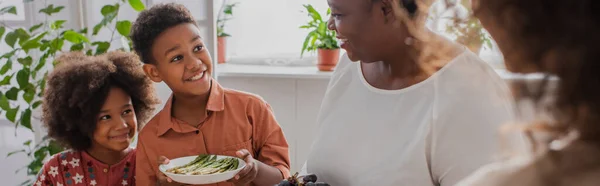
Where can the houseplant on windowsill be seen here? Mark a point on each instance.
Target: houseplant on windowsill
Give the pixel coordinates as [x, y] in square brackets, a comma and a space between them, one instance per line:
[321, 39]
[225, 14]
[469, 31]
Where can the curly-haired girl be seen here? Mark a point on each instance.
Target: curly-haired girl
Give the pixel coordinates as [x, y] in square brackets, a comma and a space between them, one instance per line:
[92, 105]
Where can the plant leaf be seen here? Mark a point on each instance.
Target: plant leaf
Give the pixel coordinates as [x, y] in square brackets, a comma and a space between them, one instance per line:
[97, 29]
[25, 61]
[2, 30]
[6, 80]
[36, 104]
[313, 13]
[14, 152]
[124, 27]
[35, 27]
[9, 9]
[12, 93]
[7, 66]
[102, 47]
[11, 38]
[77, 47]
[57, 24]
[306, 40]
[29, 94]
[137, 5]
[26, 119]
[54, 147]
[11, 114]
[4, 102]
[75, 37]
[23, 35]
[109, 9]
[23, 78]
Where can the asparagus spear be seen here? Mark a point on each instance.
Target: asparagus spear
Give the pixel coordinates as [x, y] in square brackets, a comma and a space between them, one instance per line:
[199, 164]
[197, 159]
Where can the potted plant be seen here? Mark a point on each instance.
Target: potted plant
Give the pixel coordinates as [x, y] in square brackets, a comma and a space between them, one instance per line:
[321, 39]
[469, 31]
[225, 15]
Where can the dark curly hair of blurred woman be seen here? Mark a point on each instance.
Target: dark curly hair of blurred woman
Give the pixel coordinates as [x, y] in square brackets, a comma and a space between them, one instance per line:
[77, 88]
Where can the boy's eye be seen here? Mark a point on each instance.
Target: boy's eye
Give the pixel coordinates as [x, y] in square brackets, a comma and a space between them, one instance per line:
[127, 112]
[198, 48]
[105, 117]
[177, 58]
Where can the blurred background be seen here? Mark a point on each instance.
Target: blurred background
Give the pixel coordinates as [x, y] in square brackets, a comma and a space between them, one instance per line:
[257, 46]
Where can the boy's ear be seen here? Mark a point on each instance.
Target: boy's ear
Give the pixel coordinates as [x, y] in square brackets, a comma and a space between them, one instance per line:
[387, 10]
[152, 72]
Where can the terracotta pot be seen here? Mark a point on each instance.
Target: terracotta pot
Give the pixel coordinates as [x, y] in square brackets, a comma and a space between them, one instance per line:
[328, 59]
[221, 52]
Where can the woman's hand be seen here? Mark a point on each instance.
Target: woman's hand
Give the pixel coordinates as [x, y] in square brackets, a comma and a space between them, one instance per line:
[248, 174]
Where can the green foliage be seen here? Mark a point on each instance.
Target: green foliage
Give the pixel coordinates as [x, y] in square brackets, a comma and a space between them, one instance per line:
[24, 68]
[319, 36]
[225, 15]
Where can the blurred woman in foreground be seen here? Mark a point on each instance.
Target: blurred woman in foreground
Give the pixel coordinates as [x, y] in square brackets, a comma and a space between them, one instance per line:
[556, 37]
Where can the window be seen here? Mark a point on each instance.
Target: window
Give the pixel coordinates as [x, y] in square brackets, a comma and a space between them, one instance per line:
[267, 29]
[19, 7]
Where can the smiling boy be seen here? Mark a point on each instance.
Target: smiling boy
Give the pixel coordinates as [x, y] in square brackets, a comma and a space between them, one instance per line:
[201, 117]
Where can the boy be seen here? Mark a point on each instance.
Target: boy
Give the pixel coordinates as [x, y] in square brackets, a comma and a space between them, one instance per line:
[201, 116]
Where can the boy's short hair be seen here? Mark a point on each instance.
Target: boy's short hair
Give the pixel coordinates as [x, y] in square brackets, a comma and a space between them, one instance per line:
[78, 87]
[152, 22]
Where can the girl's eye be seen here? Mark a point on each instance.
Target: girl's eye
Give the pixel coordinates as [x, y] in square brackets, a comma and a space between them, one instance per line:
[336, 15]
[177, 58]
[127, 112]
[105, 117]
[198, 48]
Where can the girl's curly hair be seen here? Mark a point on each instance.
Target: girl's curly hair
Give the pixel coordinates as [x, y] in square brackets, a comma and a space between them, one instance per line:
[77, 88]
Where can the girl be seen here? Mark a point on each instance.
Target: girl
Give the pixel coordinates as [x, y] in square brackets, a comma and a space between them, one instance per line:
[92, 106]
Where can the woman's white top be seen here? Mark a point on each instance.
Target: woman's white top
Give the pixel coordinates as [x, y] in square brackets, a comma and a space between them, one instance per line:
[435, 132]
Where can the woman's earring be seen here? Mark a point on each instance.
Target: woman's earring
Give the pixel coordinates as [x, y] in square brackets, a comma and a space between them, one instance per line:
[408, 41]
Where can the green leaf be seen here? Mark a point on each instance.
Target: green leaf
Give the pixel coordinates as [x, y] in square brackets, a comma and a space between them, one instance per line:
[40, 153]
[102, 47]
[35, 166]
[6, 80]
[137, 5]
[41, 62]
[11, 38]
[124, 27]
[12, 93]
[84, 30]
[75, 37]
[25, 61]
[313, 13]
[26, 119]
[58, 24]
[9, 55]
[11, 114]
[35, 27]
[50, 9]
[9, 9]
[97, 29]
[77, 47]
[27, 143]
[7, 66]
[23, 36]
[109, 9]
[4, 104]
[29, 94]
[89, 52]
[2, 30]
[306, 40]
[23, 78]
[36, 104]
[54, 147]
[15, 152]
[56, 45]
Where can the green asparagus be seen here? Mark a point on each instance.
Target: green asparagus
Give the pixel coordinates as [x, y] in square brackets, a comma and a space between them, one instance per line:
[206, 164]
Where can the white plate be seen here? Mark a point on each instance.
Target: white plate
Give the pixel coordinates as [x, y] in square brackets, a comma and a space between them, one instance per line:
[199, 179]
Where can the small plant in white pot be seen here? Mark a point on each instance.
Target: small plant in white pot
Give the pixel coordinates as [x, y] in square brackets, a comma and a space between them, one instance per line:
[225, 15]
[321, 39]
